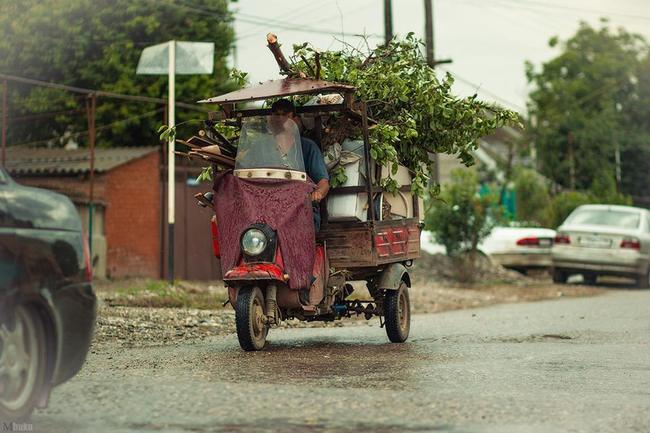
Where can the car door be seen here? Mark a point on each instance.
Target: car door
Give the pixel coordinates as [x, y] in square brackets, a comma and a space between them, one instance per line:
[7, 238]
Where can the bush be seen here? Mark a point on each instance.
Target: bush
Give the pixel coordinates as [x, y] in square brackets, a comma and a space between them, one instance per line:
[562, 205]
[602, 191]
[460, 219]
[532, 197]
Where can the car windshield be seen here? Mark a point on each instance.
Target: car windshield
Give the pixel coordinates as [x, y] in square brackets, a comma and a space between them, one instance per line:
[269, 142]
[605, 217]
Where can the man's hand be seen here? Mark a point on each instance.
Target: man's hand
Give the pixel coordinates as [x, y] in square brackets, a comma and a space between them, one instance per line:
[322, 188]
[317, 196]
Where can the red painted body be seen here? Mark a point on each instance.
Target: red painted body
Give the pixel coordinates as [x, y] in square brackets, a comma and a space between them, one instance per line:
[392, 242]
[215, 237]
[258, 271]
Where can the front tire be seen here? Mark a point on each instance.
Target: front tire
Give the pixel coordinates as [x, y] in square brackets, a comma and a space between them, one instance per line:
[397, 313]
[250, 319]
[23, 364]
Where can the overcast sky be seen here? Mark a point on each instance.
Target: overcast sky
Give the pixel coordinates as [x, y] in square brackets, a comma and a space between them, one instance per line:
[488, 40]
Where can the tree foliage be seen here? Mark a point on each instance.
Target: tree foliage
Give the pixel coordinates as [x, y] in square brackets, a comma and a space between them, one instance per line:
[532, 197]
[96, 44]
[590, 98]
[461, 218]
[417, 113]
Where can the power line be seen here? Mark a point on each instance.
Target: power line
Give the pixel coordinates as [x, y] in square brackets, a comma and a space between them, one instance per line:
[99, 128]
[535, 6]
[102, 93]
[480, 88]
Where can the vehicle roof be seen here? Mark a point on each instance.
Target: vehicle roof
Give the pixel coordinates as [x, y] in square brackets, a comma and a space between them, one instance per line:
[611, 207]
[278, 88]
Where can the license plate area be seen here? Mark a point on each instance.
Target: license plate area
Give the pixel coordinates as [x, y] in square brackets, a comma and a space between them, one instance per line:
[545, 242]
[595, 241]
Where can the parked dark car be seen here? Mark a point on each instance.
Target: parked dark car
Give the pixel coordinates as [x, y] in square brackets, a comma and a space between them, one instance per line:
[47, 304]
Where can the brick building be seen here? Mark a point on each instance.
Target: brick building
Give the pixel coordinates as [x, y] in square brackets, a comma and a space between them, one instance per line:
[129, 218]
[127, 201]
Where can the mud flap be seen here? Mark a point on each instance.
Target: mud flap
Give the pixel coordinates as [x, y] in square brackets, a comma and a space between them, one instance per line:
[391, 277]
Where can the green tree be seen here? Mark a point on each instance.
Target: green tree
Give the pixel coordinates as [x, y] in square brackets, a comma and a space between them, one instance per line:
[587, 101]
[461, 218]
[417, 113]
[96, 44]
[532, 196]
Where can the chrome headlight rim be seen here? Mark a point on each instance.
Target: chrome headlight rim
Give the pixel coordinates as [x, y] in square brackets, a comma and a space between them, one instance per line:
[254, 241]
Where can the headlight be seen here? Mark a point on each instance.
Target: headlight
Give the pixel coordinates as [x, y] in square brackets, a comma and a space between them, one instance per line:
[254, 242]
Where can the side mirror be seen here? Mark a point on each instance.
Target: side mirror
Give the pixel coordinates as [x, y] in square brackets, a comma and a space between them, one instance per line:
[204, 199]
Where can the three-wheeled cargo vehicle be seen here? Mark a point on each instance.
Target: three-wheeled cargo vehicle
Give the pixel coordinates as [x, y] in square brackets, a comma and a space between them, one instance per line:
[275, 264]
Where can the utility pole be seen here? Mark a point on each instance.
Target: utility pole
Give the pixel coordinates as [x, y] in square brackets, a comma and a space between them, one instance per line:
[431, 61]
[388, 21]
[4, 122]
[428, 32]
[572, 162]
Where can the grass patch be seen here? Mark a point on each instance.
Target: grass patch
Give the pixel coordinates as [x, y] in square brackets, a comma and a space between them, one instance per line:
[160, 294]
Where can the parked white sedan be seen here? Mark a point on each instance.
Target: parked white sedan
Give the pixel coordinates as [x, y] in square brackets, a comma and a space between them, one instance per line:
[603, 240]
[520, 248]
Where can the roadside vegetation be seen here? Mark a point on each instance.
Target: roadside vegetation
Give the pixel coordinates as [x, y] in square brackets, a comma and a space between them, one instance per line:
[159, 294]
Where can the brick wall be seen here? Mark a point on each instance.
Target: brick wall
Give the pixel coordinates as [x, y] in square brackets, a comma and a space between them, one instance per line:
[75, 187]
[132, 219]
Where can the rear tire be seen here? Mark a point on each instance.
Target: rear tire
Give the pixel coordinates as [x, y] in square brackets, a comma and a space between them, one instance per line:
[250, 319]
[397, 313]
[643, 282]
[559, 277]
[590, 279]
[23, 364]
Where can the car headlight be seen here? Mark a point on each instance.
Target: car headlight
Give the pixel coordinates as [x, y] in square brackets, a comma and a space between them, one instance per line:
[254, 242]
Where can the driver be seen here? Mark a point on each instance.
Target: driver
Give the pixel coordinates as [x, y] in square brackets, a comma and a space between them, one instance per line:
[313, 158]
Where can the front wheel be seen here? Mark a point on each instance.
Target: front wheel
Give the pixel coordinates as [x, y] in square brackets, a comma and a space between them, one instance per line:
[23, 363]
[250, 319]
[397, 313]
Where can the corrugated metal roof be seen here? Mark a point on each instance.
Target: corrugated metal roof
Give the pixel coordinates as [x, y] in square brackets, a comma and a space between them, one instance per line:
[275, 88]
[24, 160]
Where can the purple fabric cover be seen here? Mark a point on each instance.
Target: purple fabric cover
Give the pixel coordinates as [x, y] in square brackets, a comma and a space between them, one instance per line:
[284, 205]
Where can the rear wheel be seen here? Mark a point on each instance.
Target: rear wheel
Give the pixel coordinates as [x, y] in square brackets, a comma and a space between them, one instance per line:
[250, 319]
[643, 282]
[397, 313]
[23, 364]
[559, 277]
[590, 279]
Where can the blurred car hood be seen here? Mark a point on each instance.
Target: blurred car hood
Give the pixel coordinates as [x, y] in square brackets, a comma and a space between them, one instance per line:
[39, 209]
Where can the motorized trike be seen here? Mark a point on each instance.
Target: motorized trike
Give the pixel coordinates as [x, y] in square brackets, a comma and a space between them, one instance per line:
[275, 264]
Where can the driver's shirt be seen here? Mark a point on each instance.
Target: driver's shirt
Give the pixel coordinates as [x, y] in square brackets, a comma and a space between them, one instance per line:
[314, 162]
[315, 168]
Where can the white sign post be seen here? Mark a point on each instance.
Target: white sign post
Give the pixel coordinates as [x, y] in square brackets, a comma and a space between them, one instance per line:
[173, 58]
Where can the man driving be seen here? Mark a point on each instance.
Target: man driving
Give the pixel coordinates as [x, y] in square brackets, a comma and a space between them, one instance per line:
[313, 158]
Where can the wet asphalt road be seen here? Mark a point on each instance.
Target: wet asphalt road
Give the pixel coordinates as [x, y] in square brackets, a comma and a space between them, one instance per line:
[569, 365]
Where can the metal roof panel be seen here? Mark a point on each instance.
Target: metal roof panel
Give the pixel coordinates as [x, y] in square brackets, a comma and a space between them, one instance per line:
[277, 88]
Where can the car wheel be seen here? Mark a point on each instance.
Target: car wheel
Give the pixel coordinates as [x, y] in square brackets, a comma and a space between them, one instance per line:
[250, 319]
[590, 279]
[397, 313]
[23, 364]
[559, 277]
[643, 282]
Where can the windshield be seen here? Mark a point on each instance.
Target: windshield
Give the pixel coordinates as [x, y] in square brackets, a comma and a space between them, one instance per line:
[606, 217]
[269, 142]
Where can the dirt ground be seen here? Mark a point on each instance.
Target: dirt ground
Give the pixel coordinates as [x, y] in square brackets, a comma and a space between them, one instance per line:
[137, 313]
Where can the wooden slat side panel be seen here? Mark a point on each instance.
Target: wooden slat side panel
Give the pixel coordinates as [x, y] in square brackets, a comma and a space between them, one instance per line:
[348, 247]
